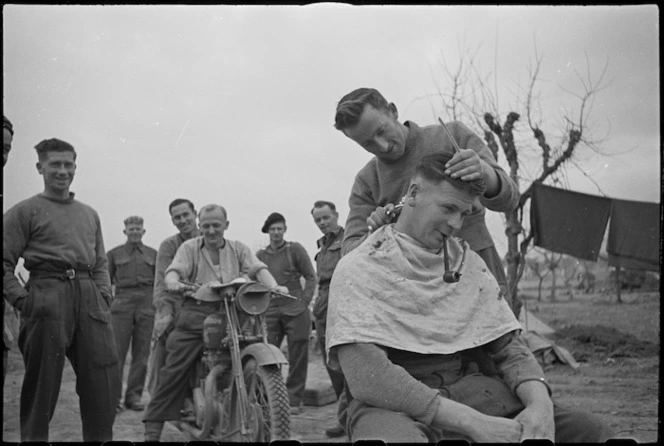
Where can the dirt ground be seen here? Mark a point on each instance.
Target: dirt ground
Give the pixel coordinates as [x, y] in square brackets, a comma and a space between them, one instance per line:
[618, 379]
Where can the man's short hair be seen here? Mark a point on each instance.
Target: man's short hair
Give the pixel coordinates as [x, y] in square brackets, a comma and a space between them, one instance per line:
[323, 203]
[133, 220]
[432, 167]
[6, 124]
[351, 106]
[179, 201]
[212, 207]
[53, 145]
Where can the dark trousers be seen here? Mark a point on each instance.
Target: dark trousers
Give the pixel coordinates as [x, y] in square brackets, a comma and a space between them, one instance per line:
[336, 377]
[67, 318]
[5, 361]
[487, 395]
[183, 348]
[133, 320]
[296, 329]
[157, 361]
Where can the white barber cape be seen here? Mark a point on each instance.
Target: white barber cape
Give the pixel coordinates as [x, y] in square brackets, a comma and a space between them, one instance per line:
[390, 291]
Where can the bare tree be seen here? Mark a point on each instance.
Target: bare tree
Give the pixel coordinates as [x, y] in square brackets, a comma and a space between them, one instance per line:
[541, 271]
[469, 98]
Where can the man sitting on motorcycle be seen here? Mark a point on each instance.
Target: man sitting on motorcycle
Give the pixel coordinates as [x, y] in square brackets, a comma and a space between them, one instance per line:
[201, 260]
[402, 324]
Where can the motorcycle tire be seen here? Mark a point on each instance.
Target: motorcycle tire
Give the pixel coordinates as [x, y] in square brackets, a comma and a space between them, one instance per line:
[268, 401]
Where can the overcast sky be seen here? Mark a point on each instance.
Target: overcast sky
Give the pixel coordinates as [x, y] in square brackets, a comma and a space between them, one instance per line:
[235, 104]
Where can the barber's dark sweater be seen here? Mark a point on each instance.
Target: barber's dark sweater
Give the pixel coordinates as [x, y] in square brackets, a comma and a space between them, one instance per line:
[380, 183]
[52, 234]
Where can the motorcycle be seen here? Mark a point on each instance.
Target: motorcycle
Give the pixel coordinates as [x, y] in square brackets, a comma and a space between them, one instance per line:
[239, 393]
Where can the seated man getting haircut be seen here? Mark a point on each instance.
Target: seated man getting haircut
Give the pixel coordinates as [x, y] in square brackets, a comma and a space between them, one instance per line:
[402, 324]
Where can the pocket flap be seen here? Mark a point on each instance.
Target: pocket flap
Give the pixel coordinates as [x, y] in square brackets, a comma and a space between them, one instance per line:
[101, 316]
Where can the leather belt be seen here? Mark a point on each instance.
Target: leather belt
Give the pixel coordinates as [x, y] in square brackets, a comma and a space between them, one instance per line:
[67, 274]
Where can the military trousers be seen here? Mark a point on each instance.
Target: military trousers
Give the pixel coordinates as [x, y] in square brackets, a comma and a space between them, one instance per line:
[336, 377]
[133, 319]
[67, 318]
[296, 329]
[184, 347]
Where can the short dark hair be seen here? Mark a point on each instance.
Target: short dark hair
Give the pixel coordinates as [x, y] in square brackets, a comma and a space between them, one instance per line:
[133, 220]
[323, 203]
[179, 201]
[351, 106]
[432, 167]
[6, 124]
[53, 145]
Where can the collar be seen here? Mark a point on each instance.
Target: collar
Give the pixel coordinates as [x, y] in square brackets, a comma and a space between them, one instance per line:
[329, 236]
[413, 133]
[130, 247]
[181, 239]
[67, 200]
[279, 248]
[201, 243]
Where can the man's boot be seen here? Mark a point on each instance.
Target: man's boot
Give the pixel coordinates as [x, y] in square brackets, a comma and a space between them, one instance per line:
[153, 430]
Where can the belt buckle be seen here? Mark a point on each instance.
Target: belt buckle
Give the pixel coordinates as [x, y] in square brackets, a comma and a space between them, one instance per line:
[71, 273]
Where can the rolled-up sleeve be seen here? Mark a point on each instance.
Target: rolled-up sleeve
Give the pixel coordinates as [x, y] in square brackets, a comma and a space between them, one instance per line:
[249, 263]
[517, 364]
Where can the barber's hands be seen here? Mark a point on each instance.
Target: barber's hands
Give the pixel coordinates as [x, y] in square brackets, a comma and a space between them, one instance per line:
[161, 324]
[466, 165]
[537, 421]
[381, 216]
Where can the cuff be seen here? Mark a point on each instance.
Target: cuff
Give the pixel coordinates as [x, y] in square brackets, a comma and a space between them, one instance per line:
[542, 380]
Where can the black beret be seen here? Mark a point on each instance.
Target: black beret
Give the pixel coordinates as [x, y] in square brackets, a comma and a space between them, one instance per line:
[273, 218]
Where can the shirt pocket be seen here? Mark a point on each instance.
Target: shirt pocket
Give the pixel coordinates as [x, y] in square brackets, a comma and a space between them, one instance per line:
[123, 268]
[146, 267]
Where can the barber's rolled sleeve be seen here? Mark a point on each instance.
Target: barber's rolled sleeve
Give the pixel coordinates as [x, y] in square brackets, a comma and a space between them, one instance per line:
[517, 364]
[508, 195]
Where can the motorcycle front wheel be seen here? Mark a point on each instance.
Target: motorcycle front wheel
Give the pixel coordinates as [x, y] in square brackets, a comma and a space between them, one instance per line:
[267, 397]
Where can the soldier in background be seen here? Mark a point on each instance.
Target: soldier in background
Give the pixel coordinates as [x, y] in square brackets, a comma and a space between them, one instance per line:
[326, 218]
[131, 267]
[183, 217]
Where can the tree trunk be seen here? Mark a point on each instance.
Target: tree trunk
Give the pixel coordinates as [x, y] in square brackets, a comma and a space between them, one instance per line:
[618, 284]
[539, 290]
[553, 286]
[512, 230]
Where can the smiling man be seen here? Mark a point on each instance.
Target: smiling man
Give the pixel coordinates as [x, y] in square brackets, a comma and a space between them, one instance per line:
[400, 332]
[65, 307]
[289, 262]
[207, 258]
[183, 217]
[367, 118]
[326, 217]
[131, 267]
